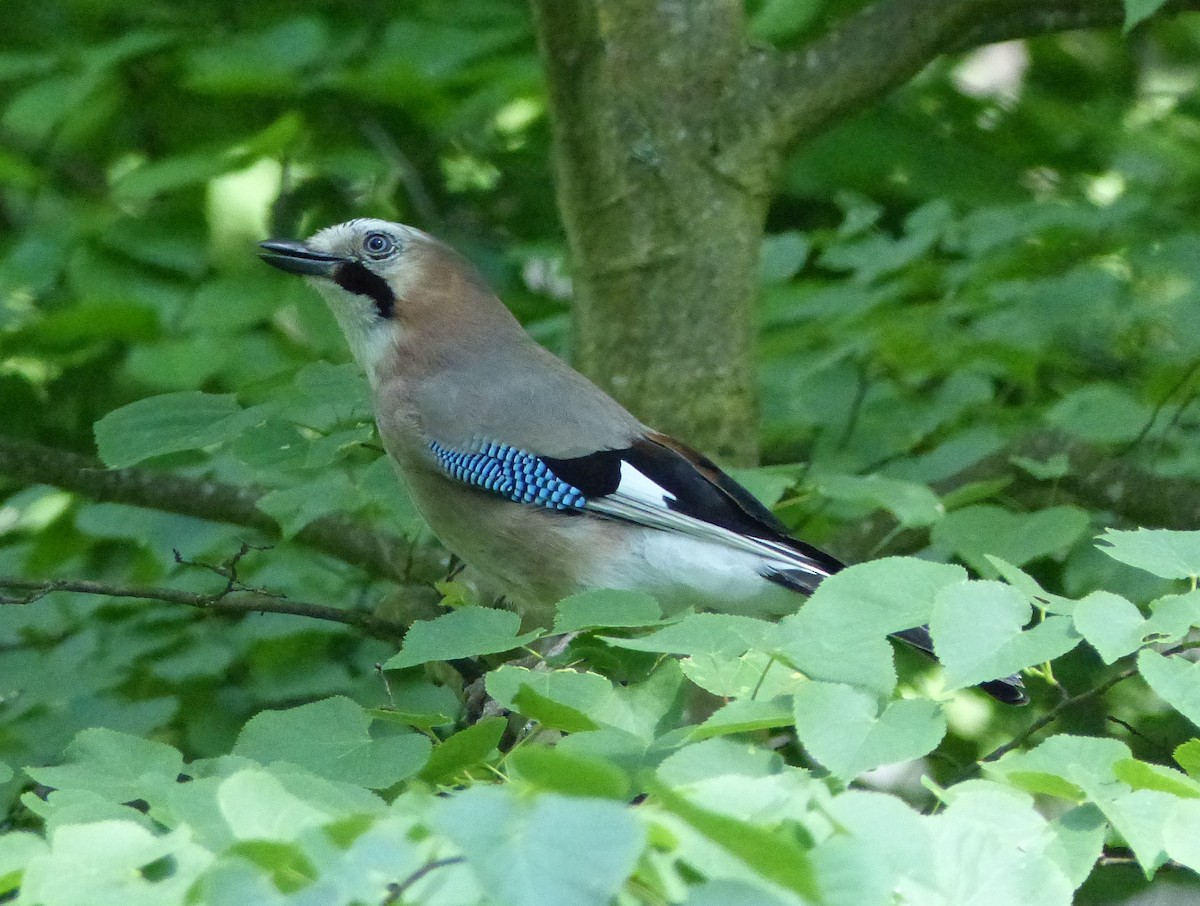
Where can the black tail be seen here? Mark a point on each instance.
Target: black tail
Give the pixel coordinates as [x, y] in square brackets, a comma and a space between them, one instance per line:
[1010, 690]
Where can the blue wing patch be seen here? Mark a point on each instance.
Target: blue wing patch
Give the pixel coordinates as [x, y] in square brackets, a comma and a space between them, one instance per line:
[512, 473]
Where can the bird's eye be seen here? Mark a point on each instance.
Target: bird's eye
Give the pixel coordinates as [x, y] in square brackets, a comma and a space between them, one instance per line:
[377, 245]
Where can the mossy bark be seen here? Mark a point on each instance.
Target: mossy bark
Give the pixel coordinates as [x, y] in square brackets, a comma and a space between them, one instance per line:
[663, 207]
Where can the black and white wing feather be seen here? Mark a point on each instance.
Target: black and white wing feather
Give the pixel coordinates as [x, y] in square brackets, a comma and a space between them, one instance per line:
[660, 483]
[655, 482]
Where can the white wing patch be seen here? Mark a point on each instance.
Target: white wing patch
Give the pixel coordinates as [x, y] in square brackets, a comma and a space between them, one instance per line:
[636, 486]
[643, 501]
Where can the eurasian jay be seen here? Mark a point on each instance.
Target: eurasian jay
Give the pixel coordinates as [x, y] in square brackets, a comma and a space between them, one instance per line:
[525, 469]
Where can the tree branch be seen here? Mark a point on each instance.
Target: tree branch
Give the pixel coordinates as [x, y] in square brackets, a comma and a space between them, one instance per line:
[1042, 17]
[1096, 478]
[856, 61]
[1050, 717]
[379, 554]
[397, 889]
[883, 45]
[222, 602]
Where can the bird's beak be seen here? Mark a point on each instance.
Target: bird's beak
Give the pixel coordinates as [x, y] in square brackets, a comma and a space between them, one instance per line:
[298, 258]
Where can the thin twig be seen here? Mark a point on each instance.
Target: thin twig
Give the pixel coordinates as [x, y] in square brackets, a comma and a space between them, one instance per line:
[229, 569]
[1067, 701]
[221, 602]
[1052, 715]
[399, 888]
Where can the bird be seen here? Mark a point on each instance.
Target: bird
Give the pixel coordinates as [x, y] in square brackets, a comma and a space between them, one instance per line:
[525, 469]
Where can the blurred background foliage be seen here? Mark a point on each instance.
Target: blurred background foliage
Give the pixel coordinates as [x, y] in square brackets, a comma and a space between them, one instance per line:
[1007, 246]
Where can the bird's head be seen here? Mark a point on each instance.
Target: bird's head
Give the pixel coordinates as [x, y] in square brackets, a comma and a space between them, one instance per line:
[381, 280]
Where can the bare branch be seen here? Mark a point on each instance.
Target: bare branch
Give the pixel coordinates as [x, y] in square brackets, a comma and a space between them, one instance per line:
[886, 43]
[856, 61]
[221, 602]
[379, 554]
[1032, 18]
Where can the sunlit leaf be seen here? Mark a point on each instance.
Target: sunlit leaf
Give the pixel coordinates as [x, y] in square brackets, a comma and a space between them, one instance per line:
[465, 632]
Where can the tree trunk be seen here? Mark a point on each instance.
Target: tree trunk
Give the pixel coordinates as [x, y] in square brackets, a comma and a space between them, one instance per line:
[663, 200]
[669, 131]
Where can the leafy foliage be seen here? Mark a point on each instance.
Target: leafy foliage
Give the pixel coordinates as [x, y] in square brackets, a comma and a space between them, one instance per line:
[945, 277]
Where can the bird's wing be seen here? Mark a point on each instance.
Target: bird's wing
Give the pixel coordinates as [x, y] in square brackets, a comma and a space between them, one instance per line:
[655, 482]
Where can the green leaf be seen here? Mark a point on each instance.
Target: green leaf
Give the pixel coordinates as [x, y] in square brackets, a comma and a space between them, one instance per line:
[170, 423]
[1054, 767]
[606, 608]
[1181, 833]
[725, 891]
[567, 700]
[551, 713]
[257, 806]
[1053, 468]
[330, 395]
[754, 674]
[1137, 11]
[465, 749]
[108, 863]
[719, 757]
[466, 632]
[555, 849]
[286, 864]
[294, 508]
[775, 856]
[259, 63]
[1028, 586]
[840, 634]
[974, 532]
[1175, 679]
[767, 483]
[911, 503]
[1115, 627]
[1187, 756]
[898, 836]
[171, 173]
[180, 364]
[233, 303]
[412, 53]
[116, 766]
[977, 633]
[1111, 624]
[1137, 816]
[1143, 776]
[842, 728]
[1080, 832]
[330, 738]
[1101, 413]
[639, 708]
[572, 775]
[37, 110]
[1162, 552]
[17, 850]
[745, 716]
[701, 633]
[994, 848]
[781, 256]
